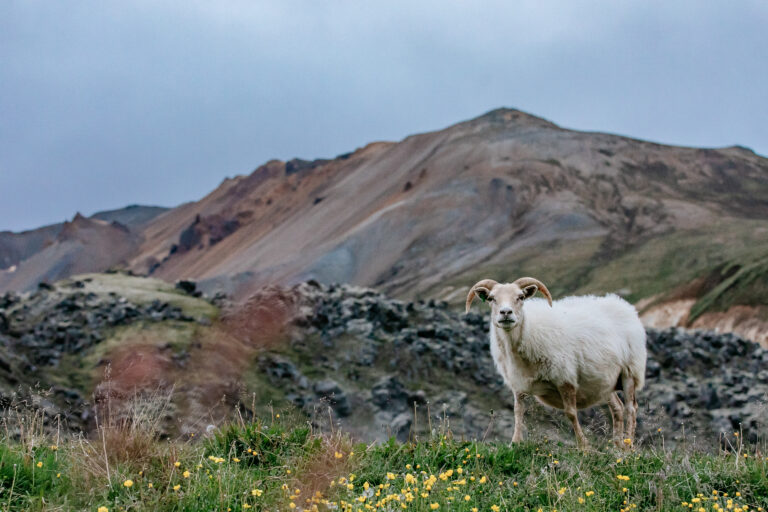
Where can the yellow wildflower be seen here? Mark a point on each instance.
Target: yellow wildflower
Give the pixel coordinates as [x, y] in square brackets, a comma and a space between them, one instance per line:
[338, 455]
[40, 464]
[176, 487]
[495, 508]
[562, 490]
[256, 492]
[434, 506]
[103, 509]
[128, 483]
[186, 474]
[177, 463]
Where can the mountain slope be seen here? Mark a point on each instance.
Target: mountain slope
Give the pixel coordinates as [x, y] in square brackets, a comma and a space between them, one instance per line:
[502, 195]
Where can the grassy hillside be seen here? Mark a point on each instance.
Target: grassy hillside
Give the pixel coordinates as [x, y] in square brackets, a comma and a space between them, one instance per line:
[275, 465]
[726, 260]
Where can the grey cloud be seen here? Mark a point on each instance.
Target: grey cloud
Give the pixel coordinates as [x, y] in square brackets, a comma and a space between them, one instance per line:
[106, 103]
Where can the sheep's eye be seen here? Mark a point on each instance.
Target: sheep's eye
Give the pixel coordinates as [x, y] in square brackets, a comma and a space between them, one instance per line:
[520, 297]
[491, 299]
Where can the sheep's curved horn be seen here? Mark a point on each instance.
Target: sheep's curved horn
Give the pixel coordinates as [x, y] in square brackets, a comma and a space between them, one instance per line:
[485, 283]
[527, 281]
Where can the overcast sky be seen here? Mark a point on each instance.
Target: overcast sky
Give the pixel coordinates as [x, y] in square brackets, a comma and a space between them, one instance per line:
[104, 104]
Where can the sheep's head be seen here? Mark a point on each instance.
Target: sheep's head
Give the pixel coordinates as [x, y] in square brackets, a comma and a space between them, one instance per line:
[506, 300]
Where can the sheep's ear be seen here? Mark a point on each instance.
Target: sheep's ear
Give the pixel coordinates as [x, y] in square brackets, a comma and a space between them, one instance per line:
[530, 290]
[481, 289]
[482, 293]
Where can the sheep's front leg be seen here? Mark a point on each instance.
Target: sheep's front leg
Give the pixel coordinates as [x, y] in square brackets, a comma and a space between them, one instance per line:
[617, 417]
[568, 394]
[519, 411]
[630, 405]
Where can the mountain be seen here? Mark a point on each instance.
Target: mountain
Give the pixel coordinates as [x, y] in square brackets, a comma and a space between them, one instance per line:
[84, 244]
[80, 245]
[682, 232]
[133, 216]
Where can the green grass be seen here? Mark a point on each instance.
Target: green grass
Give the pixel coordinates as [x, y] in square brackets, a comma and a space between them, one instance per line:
[748, 286]
[658, 267]
[270, 465]
[82, 370]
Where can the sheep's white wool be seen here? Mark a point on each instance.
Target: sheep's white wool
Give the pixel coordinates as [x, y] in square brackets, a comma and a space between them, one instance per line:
[570, 354]
[586, 341]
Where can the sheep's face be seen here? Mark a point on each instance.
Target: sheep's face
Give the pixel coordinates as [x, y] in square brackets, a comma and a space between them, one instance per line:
[506, 301]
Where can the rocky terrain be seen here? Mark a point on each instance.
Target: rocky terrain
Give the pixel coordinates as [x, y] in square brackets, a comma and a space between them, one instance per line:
[681, 232]
[381, 366]
[371, 358]
[46, 336]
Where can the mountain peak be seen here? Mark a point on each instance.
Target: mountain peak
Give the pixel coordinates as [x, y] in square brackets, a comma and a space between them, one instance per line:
[507, 115]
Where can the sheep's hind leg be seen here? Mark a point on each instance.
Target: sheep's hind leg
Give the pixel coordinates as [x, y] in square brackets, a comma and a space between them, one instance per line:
[617, 418]
[568, 394]
[519, 411]
[630, 405]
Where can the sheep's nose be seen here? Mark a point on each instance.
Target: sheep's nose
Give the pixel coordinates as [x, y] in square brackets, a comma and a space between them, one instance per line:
[506, 311]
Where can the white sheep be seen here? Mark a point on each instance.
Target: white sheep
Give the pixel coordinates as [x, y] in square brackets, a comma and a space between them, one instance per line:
[571, 354]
